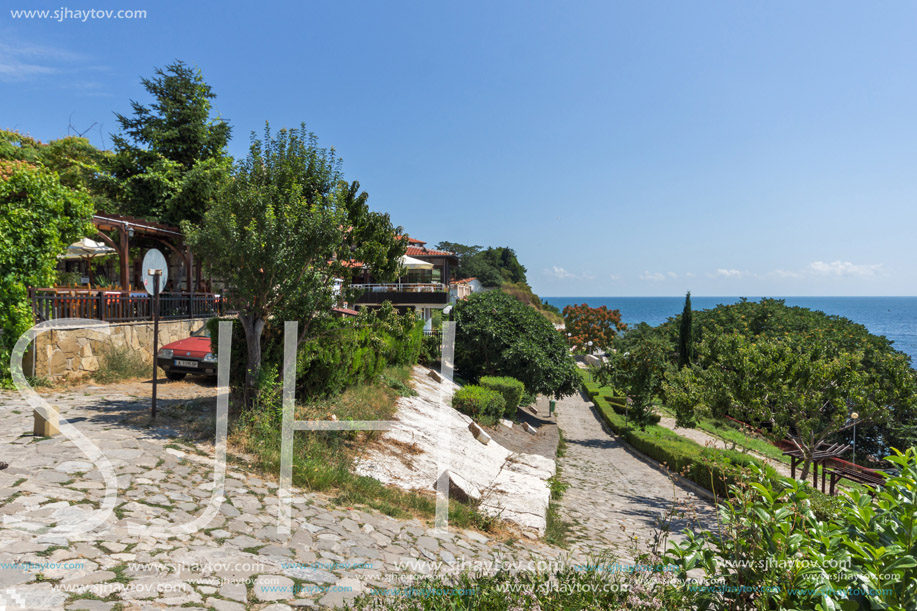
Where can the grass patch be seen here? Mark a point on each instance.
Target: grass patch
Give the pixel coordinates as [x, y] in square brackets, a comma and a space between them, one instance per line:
[556, 528]
[120, 363]
[323, 461]
[512, 590]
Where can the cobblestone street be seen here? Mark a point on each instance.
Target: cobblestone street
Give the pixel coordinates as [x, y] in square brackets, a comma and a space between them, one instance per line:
[615, 495]
[238, 560]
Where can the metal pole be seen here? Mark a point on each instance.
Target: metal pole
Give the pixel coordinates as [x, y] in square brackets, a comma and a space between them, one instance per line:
[854, 442]
[156, 275]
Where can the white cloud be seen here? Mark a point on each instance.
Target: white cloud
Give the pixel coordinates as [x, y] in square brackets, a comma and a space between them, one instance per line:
[834, 268]
[614, 276]
[727, 273]
[843, 268]
[654, 276]
[559, 273]
[783, 273]
[22, 61]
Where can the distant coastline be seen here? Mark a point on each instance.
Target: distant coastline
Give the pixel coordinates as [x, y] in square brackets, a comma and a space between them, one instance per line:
[893, 317]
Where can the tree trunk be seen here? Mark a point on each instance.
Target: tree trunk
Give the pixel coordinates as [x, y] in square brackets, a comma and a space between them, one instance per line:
[806, 465]
[253, 326]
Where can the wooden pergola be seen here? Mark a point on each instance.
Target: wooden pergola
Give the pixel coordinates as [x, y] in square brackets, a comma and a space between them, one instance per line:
[127, 227]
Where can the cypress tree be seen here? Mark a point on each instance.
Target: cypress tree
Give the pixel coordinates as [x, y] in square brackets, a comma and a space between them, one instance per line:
[686, 335]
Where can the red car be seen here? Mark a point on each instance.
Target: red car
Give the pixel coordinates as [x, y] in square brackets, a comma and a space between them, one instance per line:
[189, 355]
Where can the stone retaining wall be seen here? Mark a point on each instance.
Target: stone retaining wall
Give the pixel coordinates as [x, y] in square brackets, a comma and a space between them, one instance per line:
[78, 352]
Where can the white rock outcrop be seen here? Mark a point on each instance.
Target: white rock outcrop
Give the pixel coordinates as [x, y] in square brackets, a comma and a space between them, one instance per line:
[431, 438]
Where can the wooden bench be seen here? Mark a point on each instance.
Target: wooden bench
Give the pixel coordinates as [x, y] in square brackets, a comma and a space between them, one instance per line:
[860, 476]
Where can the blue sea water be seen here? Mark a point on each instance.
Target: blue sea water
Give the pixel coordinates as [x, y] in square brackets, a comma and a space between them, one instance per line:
[893, 317]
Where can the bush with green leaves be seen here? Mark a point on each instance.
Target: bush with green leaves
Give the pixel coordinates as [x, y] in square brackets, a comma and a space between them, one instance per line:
[496, 335]
[511, 389]
[39, 217]
[482, 404]
[773, 552]
[339, 354]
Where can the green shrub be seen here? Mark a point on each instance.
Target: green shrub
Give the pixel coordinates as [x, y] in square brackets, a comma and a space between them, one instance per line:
[430, 350]
[498, 335]
[511, 389]
[340, 352]
[772, 551]
[482, 404]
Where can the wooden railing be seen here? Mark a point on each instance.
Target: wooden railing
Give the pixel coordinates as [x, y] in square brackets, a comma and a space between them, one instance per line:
[123, 306]
[402, 287]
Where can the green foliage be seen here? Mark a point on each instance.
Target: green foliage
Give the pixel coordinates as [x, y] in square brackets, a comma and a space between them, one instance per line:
[170, 159]
[492, 266]
[341, 354]
[431, 350]
[282, 234]
[794, 388]
[592, 585]
[78, 164]
[352, 352]
[497, 335]
[784, 556]
[789, 371]
[39, 217]
[483, 404]
[638, 365]
[510, 388]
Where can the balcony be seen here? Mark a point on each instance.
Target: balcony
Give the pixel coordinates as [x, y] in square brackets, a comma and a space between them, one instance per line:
[398, 293]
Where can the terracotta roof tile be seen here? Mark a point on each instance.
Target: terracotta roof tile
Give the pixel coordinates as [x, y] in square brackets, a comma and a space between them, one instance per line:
[414, 251]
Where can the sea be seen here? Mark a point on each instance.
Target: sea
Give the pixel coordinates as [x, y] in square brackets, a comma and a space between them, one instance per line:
[893, 317]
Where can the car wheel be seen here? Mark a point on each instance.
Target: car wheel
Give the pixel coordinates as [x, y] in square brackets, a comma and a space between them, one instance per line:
[175, 376]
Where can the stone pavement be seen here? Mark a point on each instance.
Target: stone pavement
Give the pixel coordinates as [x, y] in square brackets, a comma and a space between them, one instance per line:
[238, 560]
[617, 500]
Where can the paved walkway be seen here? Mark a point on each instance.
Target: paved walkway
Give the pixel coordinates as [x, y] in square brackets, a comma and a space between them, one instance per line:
[614, 495]
[237, 560]
[706, 439]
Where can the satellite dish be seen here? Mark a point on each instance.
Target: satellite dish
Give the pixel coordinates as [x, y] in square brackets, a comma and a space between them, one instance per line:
[154, 260]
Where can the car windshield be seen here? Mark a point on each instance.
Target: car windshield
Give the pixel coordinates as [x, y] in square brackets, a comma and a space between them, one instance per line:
[202, 332]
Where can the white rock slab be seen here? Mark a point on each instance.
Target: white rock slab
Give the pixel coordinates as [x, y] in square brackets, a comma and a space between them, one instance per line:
[513, 486]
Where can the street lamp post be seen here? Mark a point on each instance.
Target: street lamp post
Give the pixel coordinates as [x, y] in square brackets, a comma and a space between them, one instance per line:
[855, 416]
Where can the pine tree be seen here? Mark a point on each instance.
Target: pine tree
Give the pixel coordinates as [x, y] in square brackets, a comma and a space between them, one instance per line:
[170, 157]
[686, 335]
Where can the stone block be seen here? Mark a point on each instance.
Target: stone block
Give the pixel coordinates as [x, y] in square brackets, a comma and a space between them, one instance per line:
[479, 433]
[47, 424]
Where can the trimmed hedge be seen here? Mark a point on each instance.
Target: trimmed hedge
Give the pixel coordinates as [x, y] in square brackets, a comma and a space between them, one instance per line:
[511, 389]
[480, 403]
[619, 405]
[710, 468]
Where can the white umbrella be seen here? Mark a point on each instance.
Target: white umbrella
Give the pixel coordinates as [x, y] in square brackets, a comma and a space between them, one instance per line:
[86, 248]
[412, 263]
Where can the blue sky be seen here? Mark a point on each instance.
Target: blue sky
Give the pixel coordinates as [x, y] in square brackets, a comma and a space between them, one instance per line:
[639, 148]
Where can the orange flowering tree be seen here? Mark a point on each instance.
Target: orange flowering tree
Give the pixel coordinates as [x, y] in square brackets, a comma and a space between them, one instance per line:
[596, 325]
